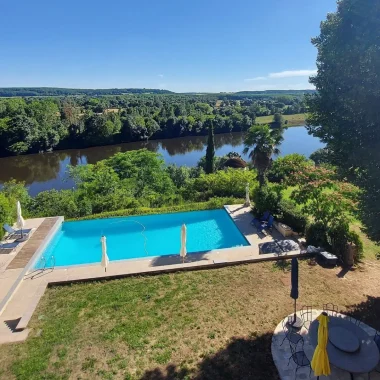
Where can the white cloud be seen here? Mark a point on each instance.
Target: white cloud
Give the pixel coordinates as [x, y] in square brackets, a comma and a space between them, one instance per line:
[255, 78]
[292, 73]
[161, 75]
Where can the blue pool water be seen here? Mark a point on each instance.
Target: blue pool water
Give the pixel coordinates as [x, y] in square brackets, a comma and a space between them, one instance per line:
[141, 236]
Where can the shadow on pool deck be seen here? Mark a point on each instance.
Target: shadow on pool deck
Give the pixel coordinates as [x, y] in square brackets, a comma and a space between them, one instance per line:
[176, 259]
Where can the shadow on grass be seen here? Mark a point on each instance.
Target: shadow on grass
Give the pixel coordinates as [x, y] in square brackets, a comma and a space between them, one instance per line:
[242, 358]
[367, 311]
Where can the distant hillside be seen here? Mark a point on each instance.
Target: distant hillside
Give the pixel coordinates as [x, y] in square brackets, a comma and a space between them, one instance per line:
[273, 92]
[55, 91]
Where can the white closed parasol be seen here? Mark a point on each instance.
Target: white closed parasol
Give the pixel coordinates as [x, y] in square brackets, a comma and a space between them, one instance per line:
[183, 242]
[105, 260]
[20, 219]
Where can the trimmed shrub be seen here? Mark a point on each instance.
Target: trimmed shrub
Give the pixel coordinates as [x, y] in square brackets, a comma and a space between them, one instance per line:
[213, 203]
[290, 215]
[340, 236]
[267, 198]
[316, 235]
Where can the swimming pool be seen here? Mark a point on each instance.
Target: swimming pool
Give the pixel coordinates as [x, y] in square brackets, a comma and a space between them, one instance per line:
[134, 237]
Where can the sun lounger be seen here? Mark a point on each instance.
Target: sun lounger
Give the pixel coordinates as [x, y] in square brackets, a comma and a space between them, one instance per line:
[12, 232]
[9, 246]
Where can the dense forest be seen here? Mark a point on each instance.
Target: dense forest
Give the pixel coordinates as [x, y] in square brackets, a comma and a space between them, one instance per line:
[32, 124]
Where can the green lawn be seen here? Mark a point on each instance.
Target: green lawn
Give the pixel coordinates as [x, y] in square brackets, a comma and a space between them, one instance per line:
[210, 324]
[293, 120]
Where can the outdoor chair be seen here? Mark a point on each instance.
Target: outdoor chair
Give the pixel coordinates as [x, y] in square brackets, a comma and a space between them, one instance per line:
[330, 309]
[15, 233]
[290, 333]
[265, 225]
[307, 316]
[264, 218]
[298, 355]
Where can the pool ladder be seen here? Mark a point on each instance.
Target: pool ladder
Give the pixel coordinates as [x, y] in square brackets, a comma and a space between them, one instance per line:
[45, 262]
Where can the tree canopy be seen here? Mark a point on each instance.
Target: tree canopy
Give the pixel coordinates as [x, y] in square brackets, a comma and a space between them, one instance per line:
[344, 111]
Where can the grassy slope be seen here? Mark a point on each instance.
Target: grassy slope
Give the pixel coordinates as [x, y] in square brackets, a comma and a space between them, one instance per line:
[293, 120]
[210, 324]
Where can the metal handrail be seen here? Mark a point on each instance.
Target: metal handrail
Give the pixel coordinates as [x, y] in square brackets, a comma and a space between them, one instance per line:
[52, 261]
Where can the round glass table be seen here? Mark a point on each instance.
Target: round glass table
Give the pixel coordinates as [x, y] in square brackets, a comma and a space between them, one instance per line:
[349, 348]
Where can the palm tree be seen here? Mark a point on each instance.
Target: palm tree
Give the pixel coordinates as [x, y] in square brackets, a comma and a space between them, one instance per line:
[264, 141]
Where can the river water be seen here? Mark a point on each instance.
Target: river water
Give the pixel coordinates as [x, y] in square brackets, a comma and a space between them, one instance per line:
[48, 170]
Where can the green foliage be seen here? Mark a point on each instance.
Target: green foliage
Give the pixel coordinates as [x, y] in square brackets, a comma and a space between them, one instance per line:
[210, 151]
[339, 236]
[213, 203]
[12, 192]
[263, 141]
[267, 198]
[41, 124]
[286, 166]
[316, 235]
[323, 197]
[344, 111]
[290, 215]
[143, 172]
[278, 121]
[63, 202]
[223, 183]
[321, 156]
[6, 213]
[180, 175]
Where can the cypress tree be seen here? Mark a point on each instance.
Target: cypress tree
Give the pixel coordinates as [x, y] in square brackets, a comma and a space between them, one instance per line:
[210, 151]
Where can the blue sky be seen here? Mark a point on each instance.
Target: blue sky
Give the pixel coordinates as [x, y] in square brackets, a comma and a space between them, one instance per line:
[192, 45]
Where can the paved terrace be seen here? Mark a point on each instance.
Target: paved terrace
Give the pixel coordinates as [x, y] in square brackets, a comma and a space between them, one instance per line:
[24, 300]
[287, 369]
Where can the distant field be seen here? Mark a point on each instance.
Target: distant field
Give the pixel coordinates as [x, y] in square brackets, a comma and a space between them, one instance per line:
[293, 120]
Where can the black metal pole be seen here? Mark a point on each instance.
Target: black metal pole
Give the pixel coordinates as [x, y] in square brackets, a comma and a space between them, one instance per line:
[295, 310]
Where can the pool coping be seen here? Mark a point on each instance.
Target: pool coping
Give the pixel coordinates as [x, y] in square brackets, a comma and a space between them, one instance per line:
[4, 302]
[225, 209]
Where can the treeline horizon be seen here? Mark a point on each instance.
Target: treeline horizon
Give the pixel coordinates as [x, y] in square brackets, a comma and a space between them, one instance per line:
[9, 92]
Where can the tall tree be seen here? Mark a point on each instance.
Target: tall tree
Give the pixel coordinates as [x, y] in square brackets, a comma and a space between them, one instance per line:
[278, 121]
[262, 141]
[210, 151]
[344, 112]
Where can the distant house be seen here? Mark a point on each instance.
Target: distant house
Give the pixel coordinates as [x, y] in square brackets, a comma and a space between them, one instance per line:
[111, 110]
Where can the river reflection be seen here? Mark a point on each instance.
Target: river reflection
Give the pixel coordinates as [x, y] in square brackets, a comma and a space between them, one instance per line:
[48, 171]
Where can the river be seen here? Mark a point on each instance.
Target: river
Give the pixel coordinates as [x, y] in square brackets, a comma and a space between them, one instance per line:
[48, 170]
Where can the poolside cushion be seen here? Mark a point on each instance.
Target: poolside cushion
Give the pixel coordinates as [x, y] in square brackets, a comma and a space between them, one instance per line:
[270, 247]
[278, 246]
[288, 245]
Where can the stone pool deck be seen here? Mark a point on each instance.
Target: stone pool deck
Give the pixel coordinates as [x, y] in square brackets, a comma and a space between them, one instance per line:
[17, 308]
